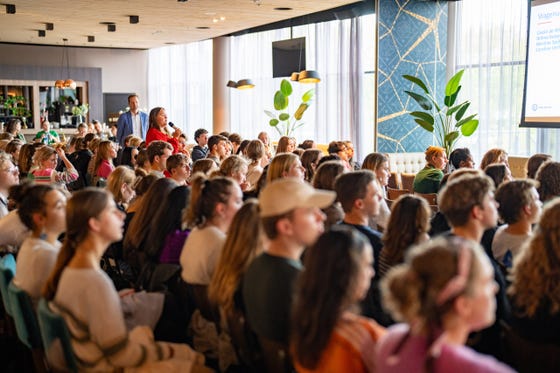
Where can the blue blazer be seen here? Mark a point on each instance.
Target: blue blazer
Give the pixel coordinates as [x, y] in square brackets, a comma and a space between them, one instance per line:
[125, 127]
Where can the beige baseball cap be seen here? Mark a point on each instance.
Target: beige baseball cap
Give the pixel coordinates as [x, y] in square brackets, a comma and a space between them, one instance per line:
[283, 195]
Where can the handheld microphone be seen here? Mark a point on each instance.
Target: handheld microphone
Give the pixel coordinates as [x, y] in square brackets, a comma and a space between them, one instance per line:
[171, 124]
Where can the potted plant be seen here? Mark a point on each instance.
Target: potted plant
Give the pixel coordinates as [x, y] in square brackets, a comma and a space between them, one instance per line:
[282, 121]
[446, 120]
[79, 112]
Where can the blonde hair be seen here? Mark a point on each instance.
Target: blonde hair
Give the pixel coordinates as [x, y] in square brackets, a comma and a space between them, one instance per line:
[242, 245]
[280, 164]
[42, 154]
[232, 164]
[410, 290]
[535, 277]
[120, 175]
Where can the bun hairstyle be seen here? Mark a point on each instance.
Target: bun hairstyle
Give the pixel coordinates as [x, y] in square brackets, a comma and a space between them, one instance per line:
[433, 276]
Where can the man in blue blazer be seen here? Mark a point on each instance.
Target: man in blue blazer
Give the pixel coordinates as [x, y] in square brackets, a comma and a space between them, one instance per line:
[132, 122]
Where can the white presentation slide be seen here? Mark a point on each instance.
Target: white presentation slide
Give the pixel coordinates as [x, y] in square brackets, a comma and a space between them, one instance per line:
[542, 96]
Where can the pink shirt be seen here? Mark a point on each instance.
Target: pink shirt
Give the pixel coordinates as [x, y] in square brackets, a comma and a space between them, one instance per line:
[104, 170]
[412, 356]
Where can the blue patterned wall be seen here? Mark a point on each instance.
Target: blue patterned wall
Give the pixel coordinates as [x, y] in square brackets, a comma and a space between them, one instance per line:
[412, 40]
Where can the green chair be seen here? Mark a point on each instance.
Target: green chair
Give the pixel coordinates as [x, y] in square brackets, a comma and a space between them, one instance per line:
[7, 272]
[55, 334]
[24, 316]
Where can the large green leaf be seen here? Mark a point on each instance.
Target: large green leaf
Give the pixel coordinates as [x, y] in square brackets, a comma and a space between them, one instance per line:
[308, 95]
[286, 87]
[425, 103]
[453, 83]
[450, 100]
[465, 120]
[280, 101]
[462, 111]
[453, 109]
[284, 116]
[424, 116]
[451, 137]
[274, 122]
[300, 110]
[469, 127]
[426, 125]
[417, 81]
[270, 114]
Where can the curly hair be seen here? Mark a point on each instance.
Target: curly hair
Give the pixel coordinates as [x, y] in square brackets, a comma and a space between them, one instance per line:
[548, 176]
[535, 276]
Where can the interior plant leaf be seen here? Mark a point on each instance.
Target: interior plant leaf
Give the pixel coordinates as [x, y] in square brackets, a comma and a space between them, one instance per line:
[469, 127]
[418, 82]
[280, 101]
[421, 100]
[270, 114]
[453, 109]
[427, 117]
[426, 125]
[451, 137]
[300, 110]
[464, 120]
[286, 87]
[308, 95]
[284, 116]
[274, 122]
[453, 84]
[462, 110]
[450, 100]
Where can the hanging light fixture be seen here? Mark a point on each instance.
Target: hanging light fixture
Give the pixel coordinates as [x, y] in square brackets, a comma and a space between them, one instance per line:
[304, 76]
[242, 84]
[68, 83]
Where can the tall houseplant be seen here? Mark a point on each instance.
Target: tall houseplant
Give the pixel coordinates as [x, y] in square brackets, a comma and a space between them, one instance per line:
[282, 121]
[447, 121]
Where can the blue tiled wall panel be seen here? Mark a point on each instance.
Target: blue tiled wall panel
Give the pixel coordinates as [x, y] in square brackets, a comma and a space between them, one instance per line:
[412, 40]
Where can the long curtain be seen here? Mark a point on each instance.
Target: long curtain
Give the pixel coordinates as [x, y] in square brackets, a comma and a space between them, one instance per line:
[491, 45]
[180, 80]
[339, 110]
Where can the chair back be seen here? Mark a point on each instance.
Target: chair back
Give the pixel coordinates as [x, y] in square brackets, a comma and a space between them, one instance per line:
[407, 181]
[528, 356]
[431, 198]
[276, 357]
[7, 272]
[56, 339]
[245, 341]
[393, 194]
[27, 327]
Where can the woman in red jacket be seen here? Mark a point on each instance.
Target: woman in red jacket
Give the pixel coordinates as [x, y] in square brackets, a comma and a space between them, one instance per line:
[158, 130]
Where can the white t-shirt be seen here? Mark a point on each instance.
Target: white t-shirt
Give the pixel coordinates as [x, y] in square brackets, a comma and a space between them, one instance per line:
[200, 254]
[35, 261]
[506, 246]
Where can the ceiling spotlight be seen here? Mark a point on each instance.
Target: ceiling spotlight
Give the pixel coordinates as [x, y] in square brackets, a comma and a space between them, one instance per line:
[42, 33]
[10, 8]
[49, 26]
[91, 38]
[111, 27]
[134, 19]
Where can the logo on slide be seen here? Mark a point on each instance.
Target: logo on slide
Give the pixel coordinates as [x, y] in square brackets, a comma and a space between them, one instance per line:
[534, 107]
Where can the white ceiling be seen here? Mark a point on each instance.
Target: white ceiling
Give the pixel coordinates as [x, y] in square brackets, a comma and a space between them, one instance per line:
[161, 22]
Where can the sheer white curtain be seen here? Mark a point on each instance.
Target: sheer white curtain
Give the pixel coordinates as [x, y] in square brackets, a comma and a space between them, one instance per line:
[180, 80]
[491, 45]
[338, 112]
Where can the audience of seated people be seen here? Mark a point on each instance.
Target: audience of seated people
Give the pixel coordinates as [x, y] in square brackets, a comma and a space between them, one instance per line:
[190, 237]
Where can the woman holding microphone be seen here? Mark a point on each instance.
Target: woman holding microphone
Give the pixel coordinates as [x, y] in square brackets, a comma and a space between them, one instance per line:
[158, 130]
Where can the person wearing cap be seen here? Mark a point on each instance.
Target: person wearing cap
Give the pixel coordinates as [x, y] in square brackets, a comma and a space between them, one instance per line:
[292, 220]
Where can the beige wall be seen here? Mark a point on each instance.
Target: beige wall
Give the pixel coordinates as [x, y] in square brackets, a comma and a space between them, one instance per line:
[123, 70]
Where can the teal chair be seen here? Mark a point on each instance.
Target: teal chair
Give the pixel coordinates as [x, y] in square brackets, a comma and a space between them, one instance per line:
[27, 326]
[55, 334]
[7, 272]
